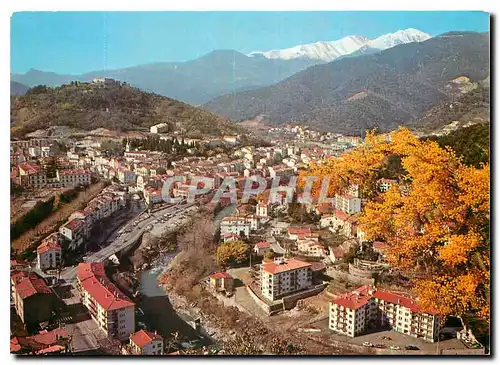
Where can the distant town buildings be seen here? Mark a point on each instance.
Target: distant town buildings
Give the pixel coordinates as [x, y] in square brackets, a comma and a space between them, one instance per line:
[159, 128]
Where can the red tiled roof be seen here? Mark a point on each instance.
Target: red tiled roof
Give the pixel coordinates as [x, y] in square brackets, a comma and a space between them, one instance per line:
[299, 231]
[221, 275]
[263, 244]
[29, 167]
[362, 295]
[338, 252]
[74, 224]
[288, 265]
[142, 338]
[54, 348]
[379, 246]
[30, 285]
[94, 280]
[341, 215]
[47, 246]
[14, 345]
[50, 337]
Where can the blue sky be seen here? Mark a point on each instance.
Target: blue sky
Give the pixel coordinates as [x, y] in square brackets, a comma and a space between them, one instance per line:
[77, 42]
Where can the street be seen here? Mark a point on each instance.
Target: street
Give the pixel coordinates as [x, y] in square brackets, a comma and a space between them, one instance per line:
[128, 238]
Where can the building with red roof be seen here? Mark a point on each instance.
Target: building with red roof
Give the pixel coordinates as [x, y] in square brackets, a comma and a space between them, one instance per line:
[146, 343]
[347, 203]
[282, 277]
[32, 298]
[261, 248]
[49, 252]
[221, 281]
[112, 310]
[45, 342]
[312, 248]
[368, 308]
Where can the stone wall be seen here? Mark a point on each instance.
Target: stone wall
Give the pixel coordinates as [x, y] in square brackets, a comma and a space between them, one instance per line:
[341, 275]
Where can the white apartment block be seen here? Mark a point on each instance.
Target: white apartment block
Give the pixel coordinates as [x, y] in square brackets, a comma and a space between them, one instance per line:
[385, 184]
[348, 203]
[48, 254]
[113, 311]
[235, 225]
[369, 308]
[73, 231]
[280, 278]
[159, 128]
[70, 178]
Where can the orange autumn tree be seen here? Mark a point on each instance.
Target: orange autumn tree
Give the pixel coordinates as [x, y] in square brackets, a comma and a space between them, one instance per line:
[435, 221]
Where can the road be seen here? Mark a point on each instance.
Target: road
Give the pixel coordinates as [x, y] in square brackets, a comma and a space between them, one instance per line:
[127, 239]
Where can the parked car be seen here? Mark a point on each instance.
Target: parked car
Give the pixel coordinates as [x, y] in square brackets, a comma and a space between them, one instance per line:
[367, 344]
[380, 346]
[411, 347]
[395, 348]
[386, 338]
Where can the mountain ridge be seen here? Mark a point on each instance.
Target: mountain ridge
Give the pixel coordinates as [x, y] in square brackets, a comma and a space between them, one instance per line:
[404, 81]
[328, 51]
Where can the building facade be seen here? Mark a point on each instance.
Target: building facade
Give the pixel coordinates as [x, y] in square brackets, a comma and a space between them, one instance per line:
[367, 308]
[280, 278]
[49, 253]
[112, 310]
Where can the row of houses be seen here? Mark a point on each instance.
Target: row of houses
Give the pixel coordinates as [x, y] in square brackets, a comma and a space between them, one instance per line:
[77, 229]
[33, 175]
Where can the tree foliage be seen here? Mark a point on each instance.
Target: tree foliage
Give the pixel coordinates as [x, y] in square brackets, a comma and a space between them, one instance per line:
[232, 253]
[435, 222]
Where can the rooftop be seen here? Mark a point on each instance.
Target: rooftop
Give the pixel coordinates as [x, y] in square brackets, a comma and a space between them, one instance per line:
[142, 338]
[276, 267]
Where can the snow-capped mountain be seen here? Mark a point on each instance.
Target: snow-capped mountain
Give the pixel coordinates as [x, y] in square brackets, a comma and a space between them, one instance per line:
[322, 51]
[331, 50]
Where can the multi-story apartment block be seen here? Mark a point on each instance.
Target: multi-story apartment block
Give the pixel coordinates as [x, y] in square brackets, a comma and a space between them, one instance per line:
[348, 203]
[146, 343]
[385, 184]
[32, 175]
[49, 253]
[369, 308]
[126, 176]
[112, 310]
[235, 225]
[69, 178]
[32, 298]
[159, 128]
[73, 232]
[279, 278]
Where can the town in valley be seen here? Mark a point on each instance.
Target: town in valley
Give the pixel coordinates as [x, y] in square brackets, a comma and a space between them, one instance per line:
[144, 225]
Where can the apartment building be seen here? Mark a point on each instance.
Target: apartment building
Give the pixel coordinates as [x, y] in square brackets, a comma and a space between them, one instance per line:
[73, 232]
[49, 253]
[112, 310]
[126, 176]
[262, 209]
[312, 248]
[146, 343]
[32, 298]
[235, 225]
[159, 128]
[369, 308]
[347, 203]
[71, 178]
[384, 185]
[32, 175]
[281, 277]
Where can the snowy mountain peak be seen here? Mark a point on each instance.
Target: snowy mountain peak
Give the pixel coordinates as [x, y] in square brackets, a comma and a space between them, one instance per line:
[390, 40]
[331, 50]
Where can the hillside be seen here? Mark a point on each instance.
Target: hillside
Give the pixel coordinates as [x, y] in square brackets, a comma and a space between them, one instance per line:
[116, 107]
[195, 82]
[471, 107]
[17, 89]
[472, 143]
[383, 90]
